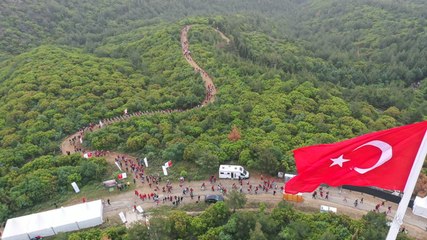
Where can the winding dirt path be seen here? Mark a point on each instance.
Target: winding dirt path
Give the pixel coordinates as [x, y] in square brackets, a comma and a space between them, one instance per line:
[126, 200]
[70, 143]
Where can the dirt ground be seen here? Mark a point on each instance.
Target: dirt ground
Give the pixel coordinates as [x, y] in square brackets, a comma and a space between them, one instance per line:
[125, 202]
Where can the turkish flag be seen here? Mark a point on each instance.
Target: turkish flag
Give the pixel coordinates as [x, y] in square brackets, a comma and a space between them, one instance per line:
[382, 159]
[122, 175]
[168, 164]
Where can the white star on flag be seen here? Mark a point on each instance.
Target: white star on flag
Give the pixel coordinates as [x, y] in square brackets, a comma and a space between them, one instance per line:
[338, 161]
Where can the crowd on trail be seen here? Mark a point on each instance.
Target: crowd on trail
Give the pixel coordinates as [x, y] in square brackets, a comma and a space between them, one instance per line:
[187, 54]
[77, 140]
[152, 189]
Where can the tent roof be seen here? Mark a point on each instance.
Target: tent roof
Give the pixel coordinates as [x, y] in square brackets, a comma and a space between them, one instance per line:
[52, 218]
[422, 202]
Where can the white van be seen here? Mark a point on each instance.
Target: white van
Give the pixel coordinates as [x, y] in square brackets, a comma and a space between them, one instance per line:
[233, 172]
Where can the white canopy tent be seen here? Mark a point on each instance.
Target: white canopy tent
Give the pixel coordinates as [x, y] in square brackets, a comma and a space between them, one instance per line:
[64, 219]
[420, 207]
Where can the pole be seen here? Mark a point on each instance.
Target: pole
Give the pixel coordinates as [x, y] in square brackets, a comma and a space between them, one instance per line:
[409, 189]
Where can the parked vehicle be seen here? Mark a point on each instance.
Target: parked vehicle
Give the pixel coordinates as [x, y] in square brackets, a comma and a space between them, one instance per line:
[233, 172]
[213, 198]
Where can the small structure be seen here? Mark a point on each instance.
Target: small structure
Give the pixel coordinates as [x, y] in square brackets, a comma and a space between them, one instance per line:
[324, 208]
[123, 217]
[420, 207]
[139, 209]
[109, 183]
[64, 219]
[293, 197]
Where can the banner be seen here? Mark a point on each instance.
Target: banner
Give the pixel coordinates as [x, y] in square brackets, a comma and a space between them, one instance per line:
[122, 217]
[117, 164]
[75, 187]
[146, 162]
[165, 171]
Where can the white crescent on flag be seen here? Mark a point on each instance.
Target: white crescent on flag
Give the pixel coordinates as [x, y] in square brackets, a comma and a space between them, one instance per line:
[386, 155]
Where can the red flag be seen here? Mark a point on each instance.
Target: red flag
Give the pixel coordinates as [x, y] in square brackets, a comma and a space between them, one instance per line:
[122, 175]
[168, 164]
[382, 159]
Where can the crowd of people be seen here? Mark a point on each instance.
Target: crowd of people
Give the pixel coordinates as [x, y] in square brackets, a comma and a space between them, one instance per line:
[76, 141]
[151, 189]
[357, 202]
[210, 88]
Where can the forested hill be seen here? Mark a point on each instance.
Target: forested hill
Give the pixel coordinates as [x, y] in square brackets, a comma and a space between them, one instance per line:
[26, 24]
[295, 73]
[387, 39]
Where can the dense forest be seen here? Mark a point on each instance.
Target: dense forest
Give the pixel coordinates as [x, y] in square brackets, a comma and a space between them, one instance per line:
[295, 73]
[218, 222]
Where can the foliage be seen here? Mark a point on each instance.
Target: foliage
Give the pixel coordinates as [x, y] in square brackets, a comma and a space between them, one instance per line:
[246, 224]
[234, 135]
[236, 200]
[295, 73]
[27, 187]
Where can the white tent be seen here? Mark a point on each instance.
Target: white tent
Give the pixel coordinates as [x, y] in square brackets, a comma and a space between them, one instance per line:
[51, 222]
[420, 207]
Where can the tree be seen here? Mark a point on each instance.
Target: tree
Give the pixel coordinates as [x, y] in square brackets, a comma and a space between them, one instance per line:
[234, 135]
[256, 233]
[298, 230]
[240, 224]
[236, 200]
[375, 226]
[215, 215]
[138, 231]
[4, 211]
[181, 225]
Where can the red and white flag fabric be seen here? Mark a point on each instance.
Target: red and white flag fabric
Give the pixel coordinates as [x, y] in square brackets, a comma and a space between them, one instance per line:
[168, 164]
[382, 159]
[122, 175]
[87, 155]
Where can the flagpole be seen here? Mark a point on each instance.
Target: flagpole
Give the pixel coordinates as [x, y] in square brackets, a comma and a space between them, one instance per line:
[409, 189]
